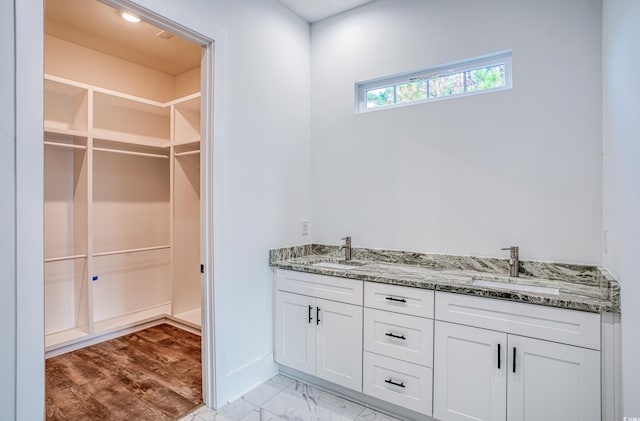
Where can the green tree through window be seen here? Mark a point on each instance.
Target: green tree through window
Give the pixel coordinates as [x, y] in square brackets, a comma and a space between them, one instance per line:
[419, 88]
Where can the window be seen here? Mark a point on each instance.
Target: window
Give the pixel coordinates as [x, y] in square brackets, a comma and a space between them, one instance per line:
[481, 74]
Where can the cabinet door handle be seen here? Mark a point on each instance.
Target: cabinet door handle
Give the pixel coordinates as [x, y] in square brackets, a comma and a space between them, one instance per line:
[397, 300]
[396, 336]
[317, 316]
[310, 318]
[395, 383]
[498, 356]
[514, 359]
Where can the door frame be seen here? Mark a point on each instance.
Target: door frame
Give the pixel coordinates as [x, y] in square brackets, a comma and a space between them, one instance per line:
[207, 129]
[30, 377]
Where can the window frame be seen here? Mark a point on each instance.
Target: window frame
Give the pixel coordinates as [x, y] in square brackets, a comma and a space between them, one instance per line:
[501, 57]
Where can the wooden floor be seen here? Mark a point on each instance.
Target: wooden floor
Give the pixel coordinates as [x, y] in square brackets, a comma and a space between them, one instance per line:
[153, 374]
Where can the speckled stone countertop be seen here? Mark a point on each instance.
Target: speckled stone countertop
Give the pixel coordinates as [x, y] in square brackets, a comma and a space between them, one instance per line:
[585, 288]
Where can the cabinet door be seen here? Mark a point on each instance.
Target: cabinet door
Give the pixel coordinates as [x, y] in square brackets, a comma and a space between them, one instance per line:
[552, 382]
[468, 385]
[339, 343]
[295, 332]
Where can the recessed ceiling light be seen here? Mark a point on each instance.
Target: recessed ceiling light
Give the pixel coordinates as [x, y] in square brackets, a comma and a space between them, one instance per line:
[129, 17]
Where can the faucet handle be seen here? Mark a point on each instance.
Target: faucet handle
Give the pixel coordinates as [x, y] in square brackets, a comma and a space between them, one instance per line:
[514, 251]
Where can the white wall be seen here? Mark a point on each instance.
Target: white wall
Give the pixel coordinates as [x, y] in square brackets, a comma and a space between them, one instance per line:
[262, 181]
[468, 175]
[621, 147]
[28, 373]
[7, 210]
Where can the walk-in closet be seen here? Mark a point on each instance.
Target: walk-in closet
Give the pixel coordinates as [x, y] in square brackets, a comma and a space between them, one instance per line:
[122, 176]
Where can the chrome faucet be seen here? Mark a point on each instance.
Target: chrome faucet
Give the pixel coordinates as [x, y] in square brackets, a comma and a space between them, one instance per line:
[514, 261]
[347, 248]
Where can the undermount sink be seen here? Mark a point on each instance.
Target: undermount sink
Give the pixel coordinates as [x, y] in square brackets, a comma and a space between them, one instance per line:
[514, 287]
[342, 265]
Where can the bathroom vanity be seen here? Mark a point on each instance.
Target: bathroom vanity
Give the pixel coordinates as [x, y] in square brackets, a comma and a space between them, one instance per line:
[419, 332]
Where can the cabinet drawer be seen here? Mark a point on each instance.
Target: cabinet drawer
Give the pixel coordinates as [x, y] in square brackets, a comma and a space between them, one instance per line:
[549, 323]
[406, 300]
[399, 336]
[399, 382]
[320, 286]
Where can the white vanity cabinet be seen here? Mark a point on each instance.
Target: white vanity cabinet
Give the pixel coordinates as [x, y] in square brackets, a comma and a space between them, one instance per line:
[398, 345]
[502, 360]
[318, 326]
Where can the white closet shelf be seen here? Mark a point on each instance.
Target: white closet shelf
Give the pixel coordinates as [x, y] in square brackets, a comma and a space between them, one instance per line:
[65, 145]
[61, 338]
[189, 101]
[61, 258]
[130, 102]
[122, 137]
[63, 86]
[192, 318]
[186, 153]
[51, 129]
[133, 319]
[127, 251]
[71, 87]
[125, 152]
[187, 141]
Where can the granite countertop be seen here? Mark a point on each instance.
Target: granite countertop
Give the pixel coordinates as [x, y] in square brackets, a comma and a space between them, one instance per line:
[581, 287]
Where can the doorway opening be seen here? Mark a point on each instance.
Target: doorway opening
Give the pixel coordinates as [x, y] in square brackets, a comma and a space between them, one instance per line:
[125, 205]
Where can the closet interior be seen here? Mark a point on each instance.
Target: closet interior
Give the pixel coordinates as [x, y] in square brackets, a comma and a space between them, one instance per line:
[122, 176]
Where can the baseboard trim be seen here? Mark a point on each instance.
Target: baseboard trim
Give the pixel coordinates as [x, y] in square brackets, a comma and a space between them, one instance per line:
[96, 339]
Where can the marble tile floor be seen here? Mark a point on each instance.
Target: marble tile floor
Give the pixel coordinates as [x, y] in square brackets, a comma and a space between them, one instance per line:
[282, 398]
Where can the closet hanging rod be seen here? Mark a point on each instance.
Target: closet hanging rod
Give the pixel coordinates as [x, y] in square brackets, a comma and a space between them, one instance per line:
[111, 253]
[186, 153]
[65, 145]
[61, 258]
[149, 155]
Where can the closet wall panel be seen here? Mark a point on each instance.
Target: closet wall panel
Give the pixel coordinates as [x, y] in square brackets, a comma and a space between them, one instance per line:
[65, 224]
[131, 283]
[66, 296]
[186, 240]
[59, 212]
[131, 203]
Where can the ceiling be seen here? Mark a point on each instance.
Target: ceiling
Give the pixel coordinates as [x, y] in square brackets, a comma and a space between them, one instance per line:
[315, 10]
[97, 26]
[94, 25]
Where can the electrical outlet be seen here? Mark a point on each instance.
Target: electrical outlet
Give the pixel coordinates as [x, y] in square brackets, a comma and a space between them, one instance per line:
[305, 227]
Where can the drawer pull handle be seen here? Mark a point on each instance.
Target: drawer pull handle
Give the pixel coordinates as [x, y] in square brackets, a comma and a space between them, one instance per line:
[514, 359]
[397, 300]
[310, 318]
[498, 356]
[396, 336]
[317, 316]
[395, 383]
